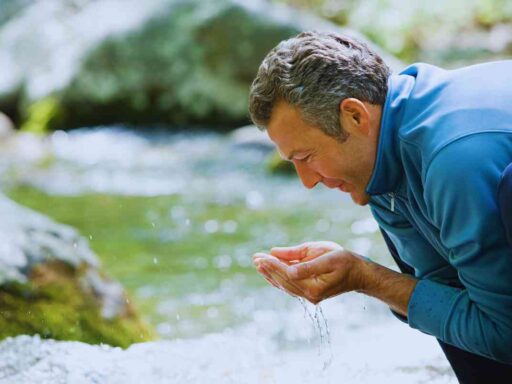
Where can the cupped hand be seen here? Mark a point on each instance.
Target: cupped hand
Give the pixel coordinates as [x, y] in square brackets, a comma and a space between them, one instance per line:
[305, 251]
[328, 274]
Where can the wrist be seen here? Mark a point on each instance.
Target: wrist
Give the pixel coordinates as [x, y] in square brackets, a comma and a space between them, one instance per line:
[365, 280]
[393, 288]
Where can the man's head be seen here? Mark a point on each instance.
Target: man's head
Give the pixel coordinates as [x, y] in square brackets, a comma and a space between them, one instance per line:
[323, 91]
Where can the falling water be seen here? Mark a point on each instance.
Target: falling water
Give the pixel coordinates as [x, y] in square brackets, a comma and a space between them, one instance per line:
[322, 330]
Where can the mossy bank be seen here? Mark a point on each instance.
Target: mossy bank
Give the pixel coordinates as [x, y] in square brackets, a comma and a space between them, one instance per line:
[51, 284]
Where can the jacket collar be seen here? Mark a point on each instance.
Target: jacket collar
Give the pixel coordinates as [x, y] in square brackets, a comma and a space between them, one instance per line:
[388, 168]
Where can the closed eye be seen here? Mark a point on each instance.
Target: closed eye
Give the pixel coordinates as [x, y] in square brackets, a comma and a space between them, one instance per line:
[303, 159]
[308, 158]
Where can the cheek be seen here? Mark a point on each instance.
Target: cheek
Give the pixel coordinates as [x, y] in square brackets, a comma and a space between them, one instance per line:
[329, 169]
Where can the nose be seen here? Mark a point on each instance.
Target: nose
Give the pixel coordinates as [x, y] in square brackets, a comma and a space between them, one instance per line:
[309, 177]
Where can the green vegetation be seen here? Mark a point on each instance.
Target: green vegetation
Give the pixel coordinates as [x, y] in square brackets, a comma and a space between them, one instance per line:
[165, 252]
[129, 232]
[42, 116]
[54, 305]
[448, 33]
[275, 164]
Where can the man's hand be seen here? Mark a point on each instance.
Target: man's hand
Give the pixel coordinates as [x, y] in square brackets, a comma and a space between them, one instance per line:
[319, 270]
[314, 271]
[305, 251]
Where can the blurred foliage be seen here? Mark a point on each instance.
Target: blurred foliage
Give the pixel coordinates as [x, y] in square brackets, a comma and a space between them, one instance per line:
[10, 8]
[42, 116]
[192, 64]
[442, 32]
[275, 164]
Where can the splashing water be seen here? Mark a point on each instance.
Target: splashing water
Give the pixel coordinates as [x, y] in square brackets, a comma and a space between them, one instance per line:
[322, 330]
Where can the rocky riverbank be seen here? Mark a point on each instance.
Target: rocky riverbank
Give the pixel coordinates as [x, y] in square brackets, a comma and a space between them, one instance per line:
[51, 284]
[383, 352]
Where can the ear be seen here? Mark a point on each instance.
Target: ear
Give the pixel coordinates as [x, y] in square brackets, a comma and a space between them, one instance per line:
[354, 116]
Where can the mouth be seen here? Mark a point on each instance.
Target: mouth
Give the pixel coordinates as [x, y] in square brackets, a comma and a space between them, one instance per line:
[344, 187]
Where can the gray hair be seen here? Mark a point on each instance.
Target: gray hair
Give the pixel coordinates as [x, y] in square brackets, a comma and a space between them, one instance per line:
[315, 72]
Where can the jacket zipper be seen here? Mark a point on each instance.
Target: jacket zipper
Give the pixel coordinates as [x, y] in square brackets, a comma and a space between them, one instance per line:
[392, 196]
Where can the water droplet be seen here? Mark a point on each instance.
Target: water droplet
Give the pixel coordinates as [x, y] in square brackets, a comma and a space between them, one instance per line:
[322, 329]
[211, 226]
[155, 260]
[223, 261]
[254, 200]
[230, 226]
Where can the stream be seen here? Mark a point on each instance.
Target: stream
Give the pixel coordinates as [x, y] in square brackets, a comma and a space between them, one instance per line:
[176, 218]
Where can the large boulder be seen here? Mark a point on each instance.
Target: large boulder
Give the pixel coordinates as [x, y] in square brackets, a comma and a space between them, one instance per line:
[158, 61]
[51, 284]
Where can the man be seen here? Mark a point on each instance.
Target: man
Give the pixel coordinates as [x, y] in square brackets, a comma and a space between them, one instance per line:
[425, 149]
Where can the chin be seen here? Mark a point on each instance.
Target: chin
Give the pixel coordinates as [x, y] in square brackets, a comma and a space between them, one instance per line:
[360, 199]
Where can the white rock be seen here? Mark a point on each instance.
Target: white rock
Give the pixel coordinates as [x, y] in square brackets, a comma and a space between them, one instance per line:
[6, 126]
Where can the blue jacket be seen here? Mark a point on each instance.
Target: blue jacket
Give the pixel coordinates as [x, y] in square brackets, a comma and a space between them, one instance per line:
[445, 139]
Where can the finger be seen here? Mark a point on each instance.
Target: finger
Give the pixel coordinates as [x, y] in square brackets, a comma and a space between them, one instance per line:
[313, 253]
[318, 248]
[305, 251]
[272, 282]
[259, 258]
[296, 252]
[278, 272]
[262, 271]
[259, 255]
[318, 266]
[286, 285]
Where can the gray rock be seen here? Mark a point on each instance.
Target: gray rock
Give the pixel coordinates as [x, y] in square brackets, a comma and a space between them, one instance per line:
[28, 238]
[250, 136]
[6, 126]
[157, 61]
[111, 293]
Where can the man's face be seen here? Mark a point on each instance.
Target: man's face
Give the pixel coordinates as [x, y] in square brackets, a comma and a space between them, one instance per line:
[319, 158]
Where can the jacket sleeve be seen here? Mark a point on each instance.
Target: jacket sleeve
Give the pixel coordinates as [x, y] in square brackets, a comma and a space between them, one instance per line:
[461, 198]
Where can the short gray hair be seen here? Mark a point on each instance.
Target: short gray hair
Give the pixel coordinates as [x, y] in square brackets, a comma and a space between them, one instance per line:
[315, 72]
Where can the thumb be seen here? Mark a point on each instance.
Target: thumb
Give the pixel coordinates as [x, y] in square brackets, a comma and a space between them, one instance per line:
[308, 269]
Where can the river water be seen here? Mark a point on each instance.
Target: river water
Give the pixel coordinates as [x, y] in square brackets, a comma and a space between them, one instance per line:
[212, 304]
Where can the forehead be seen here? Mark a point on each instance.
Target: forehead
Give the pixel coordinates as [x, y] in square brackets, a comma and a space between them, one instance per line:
[288, 130]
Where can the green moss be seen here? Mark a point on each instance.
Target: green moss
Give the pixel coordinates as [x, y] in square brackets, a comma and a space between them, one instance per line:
[53, 305]
[43, 116]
